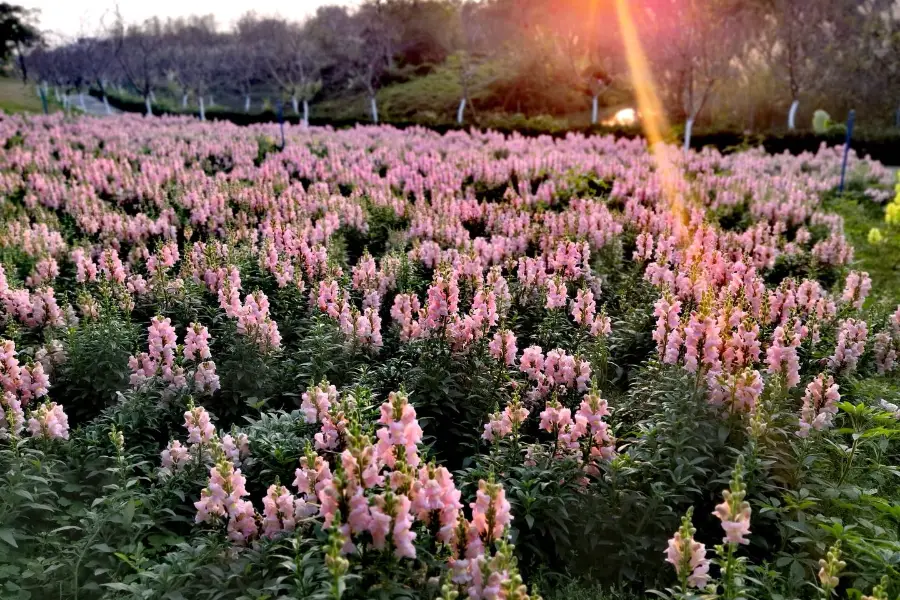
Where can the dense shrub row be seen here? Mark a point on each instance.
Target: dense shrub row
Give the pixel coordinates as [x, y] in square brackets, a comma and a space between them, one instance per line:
[384, 363]
[882, 145]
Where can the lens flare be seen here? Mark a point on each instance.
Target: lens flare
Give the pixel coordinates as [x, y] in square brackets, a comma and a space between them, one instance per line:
[653, 121]
[623, 118]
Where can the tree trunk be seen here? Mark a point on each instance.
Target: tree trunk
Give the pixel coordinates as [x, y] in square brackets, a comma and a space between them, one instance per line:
[305, 112]
[688, 129]
[148, 105]
[106, 104]
[22, 64]
[81, 101]
[184, 98]
[295, 104]
[56, 94]
[202, 109]
[460, 112]
[247, 103]
[152, 96]
[594, 110]
[792, 115]
[374, 106]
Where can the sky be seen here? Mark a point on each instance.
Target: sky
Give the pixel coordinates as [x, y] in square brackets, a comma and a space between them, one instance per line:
[73, 17]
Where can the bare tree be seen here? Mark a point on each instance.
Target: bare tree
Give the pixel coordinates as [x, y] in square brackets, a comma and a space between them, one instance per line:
[292, 60]
[693, 45]
[138, 50]
[370, 49]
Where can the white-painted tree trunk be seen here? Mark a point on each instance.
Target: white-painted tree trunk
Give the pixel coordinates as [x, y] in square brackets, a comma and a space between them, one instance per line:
[595, 109]
[37, 90]
[65, 102]
[305, 112]
[148, 104]
[152, 96]
[792, 114]
[202, 109]
[56, 94]
[184, 98]
[688, 129]
[81, 101]
[106, 105]
[461, 111]
[373, 104]
[295, 103]
[247, 103]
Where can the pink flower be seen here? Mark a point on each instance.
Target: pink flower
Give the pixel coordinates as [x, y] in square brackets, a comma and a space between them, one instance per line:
[317, 401]
[734, 511]
[503, 347]
[556, 294]
[583, 307]
[12, 417]
[279, 512]
[200, 428]
[436, 497]
[819, 405]
[490, 511]
[505, 423]
[851, 343]
[532, 362]
[174, 457]
[236, 447]
[401, 434]
[782, 356]
[196, 343]
[667, 335]
[206, 381]
[49, 422]
[857, 288]
[688, 556]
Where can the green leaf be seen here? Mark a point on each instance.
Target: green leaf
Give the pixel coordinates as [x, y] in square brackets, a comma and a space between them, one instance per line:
[7, 536]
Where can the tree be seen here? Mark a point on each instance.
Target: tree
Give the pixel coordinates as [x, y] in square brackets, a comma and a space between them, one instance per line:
[370, 49]
[693, 45]
[139, 52]
[94, 58]
[193, 57]
[18, 33]
[292, 59]
[798, 53]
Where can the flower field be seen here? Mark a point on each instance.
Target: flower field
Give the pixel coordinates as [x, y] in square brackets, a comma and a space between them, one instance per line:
[393, 364]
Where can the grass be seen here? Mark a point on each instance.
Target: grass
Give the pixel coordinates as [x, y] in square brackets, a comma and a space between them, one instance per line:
[18, 98]
[882, 260]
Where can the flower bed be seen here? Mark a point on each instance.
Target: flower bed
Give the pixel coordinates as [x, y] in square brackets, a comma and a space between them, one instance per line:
[384, 363]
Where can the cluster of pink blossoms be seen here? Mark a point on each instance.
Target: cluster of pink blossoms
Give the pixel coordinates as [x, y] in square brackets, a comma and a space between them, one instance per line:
[160, 359]
[555, 370]
[19, 386]
[851, 343]
[26, 382]
[819, 405]
[586, 437]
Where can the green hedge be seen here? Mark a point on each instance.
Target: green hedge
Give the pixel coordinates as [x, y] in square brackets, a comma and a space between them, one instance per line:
[883, 146]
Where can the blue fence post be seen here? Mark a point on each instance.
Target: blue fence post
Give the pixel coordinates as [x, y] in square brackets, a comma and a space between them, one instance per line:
[281, 121]
[851, 119]
[44, 100]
